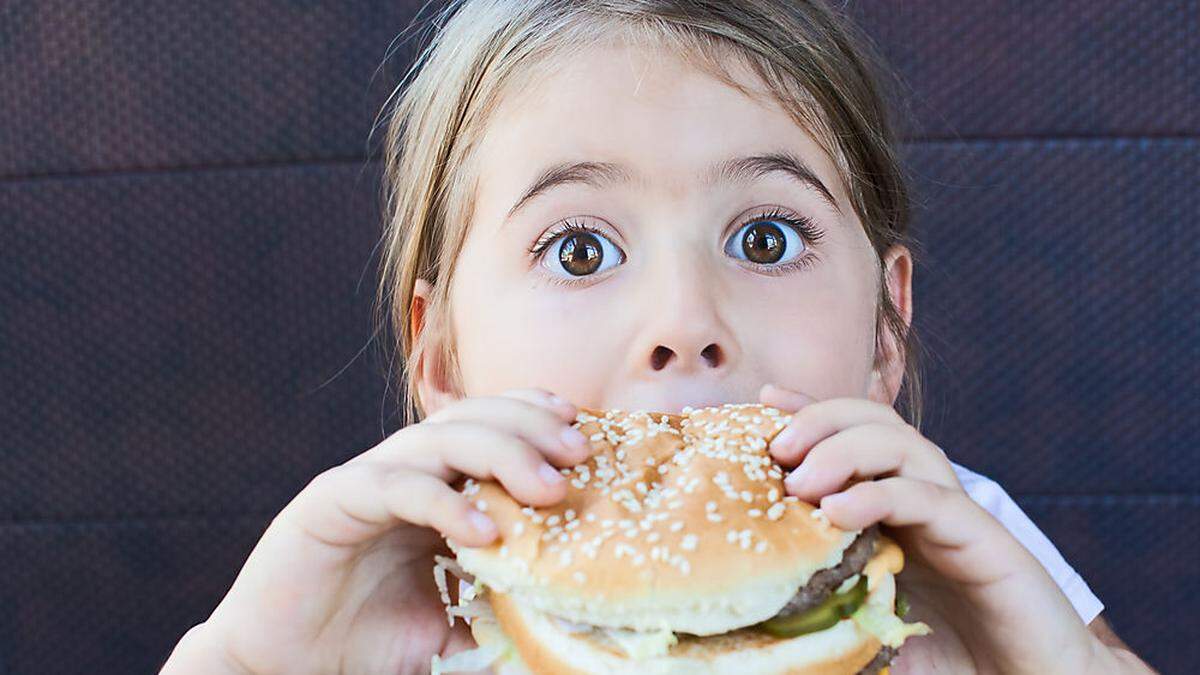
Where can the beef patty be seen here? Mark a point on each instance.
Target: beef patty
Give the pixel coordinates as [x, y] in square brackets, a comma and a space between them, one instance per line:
[825, 582]
[881, 659]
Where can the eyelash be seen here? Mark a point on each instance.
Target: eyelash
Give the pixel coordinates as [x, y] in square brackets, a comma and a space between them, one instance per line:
[803, 225]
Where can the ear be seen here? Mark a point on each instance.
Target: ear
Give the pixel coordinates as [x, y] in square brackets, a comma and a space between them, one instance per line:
[888, 373]
[429, 371]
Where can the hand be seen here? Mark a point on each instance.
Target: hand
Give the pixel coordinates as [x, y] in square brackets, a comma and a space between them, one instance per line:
[992, 607]
[342, 579]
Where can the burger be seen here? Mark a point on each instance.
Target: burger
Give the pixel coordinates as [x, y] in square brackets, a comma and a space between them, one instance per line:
[675, 550]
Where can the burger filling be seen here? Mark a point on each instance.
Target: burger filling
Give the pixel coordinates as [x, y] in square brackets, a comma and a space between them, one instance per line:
[823, 584]
[829, 596]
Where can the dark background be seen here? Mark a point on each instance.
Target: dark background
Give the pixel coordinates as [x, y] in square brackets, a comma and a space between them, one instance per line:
[188, 211]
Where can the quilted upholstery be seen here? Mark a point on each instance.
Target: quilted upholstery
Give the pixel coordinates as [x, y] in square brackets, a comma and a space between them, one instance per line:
[187, 220]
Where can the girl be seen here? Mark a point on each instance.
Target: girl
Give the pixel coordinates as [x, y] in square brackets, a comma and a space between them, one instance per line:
[643, 204]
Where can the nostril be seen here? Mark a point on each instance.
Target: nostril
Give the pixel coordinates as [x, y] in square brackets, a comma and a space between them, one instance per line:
[660, 357]
[711, 354]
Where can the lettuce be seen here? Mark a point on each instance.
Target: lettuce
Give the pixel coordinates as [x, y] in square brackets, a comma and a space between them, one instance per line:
[879, 620]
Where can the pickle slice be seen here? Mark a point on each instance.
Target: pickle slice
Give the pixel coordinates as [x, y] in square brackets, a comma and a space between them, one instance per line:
[833, 609]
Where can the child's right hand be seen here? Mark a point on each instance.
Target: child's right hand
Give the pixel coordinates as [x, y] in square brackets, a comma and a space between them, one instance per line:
[342, 578]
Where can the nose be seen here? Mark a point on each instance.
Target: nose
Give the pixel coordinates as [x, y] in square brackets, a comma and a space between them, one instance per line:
[685, 324]
[711, 356]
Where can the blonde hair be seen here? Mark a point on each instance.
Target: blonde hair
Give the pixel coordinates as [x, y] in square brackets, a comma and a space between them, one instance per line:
[813, 60]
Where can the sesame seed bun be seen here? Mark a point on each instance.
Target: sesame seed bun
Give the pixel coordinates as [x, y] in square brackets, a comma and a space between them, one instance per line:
[679, 520]
[534, 643]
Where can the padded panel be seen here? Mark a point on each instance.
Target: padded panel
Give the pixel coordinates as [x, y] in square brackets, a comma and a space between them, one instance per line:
[104, 84]
[1138, 555]
[124, 592]
[108, 84]
[112, 597]
[1017, 69]
[188, 342]
[1058, 295]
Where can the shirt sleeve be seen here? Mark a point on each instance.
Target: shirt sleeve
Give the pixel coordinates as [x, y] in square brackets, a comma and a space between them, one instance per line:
[988, 494]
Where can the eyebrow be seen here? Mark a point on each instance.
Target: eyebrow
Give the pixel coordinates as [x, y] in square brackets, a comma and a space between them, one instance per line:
[734, 170]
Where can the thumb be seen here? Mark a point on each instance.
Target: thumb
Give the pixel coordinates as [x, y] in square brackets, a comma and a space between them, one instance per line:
[784, 399]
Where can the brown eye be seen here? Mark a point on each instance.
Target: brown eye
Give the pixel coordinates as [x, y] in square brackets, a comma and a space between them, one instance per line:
[581, 253]
[764, 242]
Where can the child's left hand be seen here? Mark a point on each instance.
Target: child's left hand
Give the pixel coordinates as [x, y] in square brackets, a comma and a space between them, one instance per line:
[992, 606]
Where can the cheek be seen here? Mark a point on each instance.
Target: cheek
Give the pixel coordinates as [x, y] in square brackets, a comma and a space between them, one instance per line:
[513, 335]
[820, 340]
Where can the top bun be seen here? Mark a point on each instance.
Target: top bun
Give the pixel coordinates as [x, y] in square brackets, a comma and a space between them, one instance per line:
[675, 521]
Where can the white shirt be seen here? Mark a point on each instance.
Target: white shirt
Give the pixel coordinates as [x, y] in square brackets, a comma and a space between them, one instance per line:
[988, 494]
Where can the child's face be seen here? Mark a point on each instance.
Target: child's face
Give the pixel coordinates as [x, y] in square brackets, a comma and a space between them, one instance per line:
[675, 312]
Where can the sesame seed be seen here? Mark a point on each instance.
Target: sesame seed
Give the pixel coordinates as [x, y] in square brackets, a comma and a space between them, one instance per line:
[518, 528]
[579, 577]
[481, 505]
[553, 520]
[760, 547]
[688, 543]
[776, 511]
[677, 526]
[652, 537]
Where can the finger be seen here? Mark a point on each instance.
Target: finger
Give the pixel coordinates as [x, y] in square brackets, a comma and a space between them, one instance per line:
[867, 451]
[817, 421]
[784, 399]
[528, 415]
[558, 404]
[445, 449]
[969, 541]
[355, 503]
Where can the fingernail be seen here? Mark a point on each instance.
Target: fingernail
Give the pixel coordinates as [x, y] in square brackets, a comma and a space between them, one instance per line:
[575, 439]
[481, 523]
[549, 475]
[835, 500]
[785, 439]
[795, 479]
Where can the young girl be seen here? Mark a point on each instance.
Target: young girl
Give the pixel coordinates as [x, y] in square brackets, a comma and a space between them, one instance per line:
[643, 204]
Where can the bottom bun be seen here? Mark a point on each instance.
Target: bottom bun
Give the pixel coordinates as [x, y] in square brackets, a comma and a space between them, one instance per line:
[531, 637]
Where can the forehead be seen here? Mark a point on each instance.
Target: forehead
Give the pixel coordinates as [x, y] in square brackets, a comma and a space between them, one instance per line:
[644, 107]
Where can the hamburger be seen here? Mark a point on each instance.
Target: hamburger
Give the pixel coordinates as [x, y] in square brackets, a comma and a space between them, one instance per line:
[675, 550]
